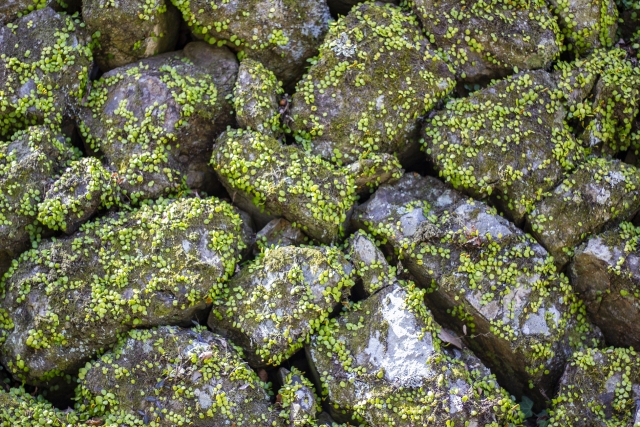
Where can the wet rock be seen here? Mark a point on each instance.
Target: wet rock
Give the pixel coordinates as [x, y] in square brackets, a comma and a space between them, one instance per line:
[599, 388]
[488, 40]
[298, 399]
[282, 180]
[154, 121]
[373, 170]
[273, 305]
[488, 282]
[278, 232]
[70, 298]
[44, 63]
[19, 408]
[84, 187]
[508, 142]
[131, 30]
[381, 363]
[605, 274]
[370, 263]
[599, 194]
[353, 103]
[182, 377]
[280, 35]
[256, 98]
[30, 161]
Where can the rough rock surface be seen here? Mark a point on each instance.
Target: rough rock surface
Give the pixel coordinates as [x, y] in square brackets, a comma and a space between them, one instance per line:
[598, 194]
[489, 282]
[130, 30]
[278, 232]
[299, 402]
[44, 63]
[154, 121]
[19, 408]
[599, 388]
[282, 35]
[352, 102]
[605, 273]
[273, 305]
[369, 263]
[381, 363]
[70, 298]
[485, 40]
[372, 170]
[261, 174]
[182, 377]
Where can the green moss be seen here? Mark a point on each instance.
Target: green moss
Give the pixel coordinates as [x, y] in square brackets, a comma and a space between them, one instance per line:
[19, 408]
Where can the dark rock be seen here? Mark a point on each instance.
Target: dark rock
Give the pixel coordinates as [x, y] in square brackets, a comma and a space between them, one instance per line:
[342, 7]
[278, 232]
[299, 402]
[370, 263]
[373, 170]
[19, 408]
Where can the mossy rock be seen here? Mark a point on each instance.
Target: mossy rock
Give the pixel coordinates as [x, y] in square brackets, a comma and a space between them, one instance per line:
[44, 64]
[299, 402]
[278, 232]
[600, 193]
[30, 161]
[599, 388]
[19, 408]
[282, 35]
[352, 102]
[369, 262]
[342, 7]
[604, 272]
[130, 30]
[256, 98]
[382, 364]
[68, 300]
[154, 121]
[282, 180]
[488, 40]
[83, 188]
[489, 282]
[372, 170]
[169, 376]
[508, 143]
[272, 306]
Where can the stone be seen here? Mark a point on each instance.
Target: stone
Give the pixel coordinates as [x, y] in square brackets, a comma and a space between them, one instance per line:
[19, 408]
[373, 170]
[69, 299]
[370, 263]
[278, 232]
[272, 306]
[299, 402]
[342, 7]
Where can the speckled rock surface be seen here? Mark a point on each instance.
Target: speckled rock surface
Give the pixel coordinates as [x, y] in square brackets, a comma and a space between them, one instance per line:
[369, 263]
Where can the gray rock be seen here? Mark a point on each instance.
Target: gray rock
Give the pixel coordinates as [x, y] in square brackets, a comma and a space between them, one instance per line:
[278, 232]
[274, 303]
[11, 10]
[370, 263]
[299, 402]
[182, 376]
[69, 299]
[280, 35]
[352, 102]
[131, 30]
[488, 40]
[154, 121]
[373, 170]
[488, 282]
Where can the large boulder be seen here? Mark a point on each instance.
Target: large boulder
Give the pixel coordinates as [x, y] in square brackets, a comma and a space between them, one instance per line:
[508, 142]
[154, 121]
[263, 175]
[280, 35]
[381, 363]
[599, 388]
[274, 304]
[488, 282]
[44, 66]
[598, 194]
[30, 161]
[67, 300]
[488, 40]
[171, 376]
[605, 273]
[19, 408]
[352, 102]
[130, 30]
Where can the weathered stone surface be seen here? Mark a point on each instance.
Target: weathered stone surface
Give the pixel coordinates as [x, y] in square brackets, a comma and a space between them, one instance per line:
[489, 282]
[131, 30]
[370, 263]
[374, 169]
[11, 10]
[69, 298]
[381, 363]
[352, 102]
[299, 402]
[19, 408]
[182, 377]
[508, 142]
[605, 273]
[599, 388]
[282, 35]
[29, 162]
[278, 232]
[598, 194]
[44, 62]
[273, 305]
[256, 98]
[83, 188]
[487, 40]
[342, 7]
[284, 181]
[154, 121]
